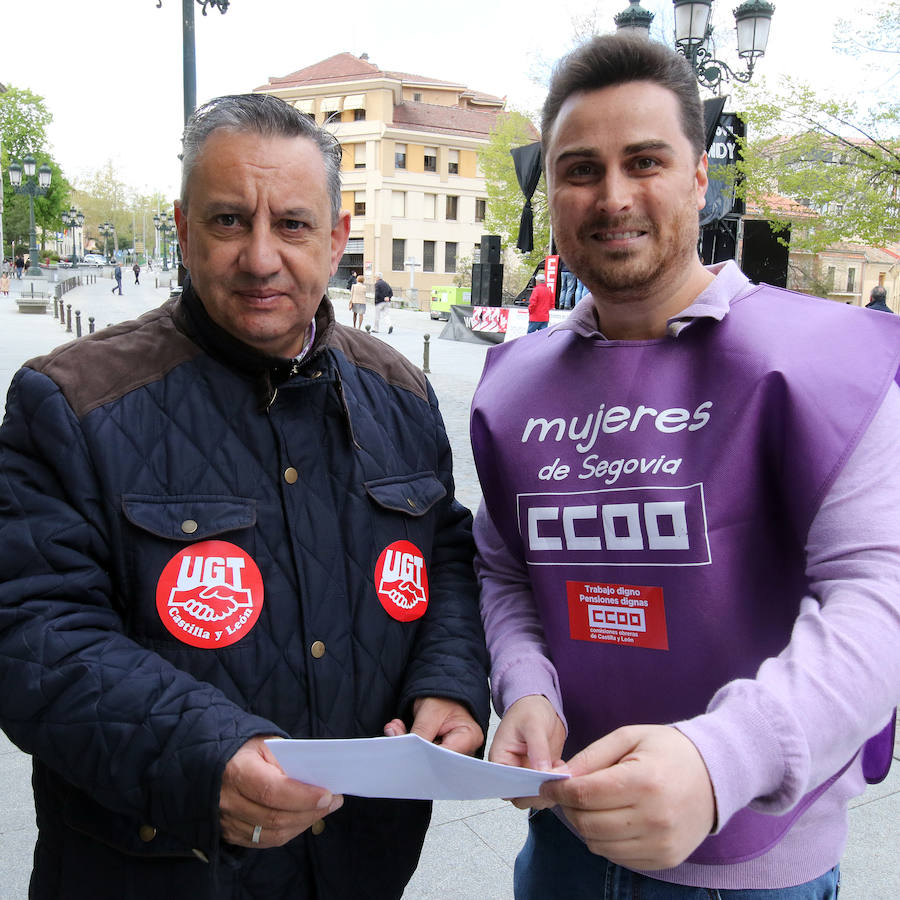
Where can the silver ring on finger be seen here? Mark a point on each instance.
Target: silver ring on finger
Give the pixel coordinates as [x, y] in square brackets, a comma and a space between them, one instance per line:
[257, 831]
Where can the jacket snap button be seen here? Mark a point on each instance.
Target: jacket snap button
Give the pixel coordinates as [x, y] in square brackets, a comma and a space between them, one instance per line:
[290, 475]
[317, 649]
[411, 502]
[317, 827]
[189, 526]
[316, 374]
[146, 833]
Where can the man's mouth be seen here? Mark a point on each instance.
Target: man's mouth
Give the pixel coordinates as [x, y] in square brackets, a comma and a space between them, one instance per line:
[618, 235]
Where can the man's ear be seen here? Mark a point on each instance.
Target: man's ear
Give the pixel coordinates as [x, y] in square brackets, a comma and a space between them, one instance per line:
[339, 235]
[182, 230]
[702, 177]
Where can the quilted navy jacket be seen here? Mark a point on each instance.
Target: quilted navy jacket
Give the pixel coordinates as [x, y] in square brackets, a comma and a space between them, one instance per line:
[123, 450]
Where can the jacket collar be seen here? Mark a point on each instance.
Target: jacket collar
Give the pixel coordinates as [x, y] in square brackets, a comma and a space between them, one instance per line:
[268, 371]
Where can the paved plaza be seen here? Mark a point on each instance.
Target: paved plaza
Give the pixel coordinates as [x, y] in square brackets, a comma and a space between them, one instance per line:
[471, 846]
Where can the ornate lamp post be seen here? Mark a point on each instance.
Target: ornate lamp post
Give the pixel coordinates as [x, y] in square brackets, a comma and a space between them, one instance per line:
[72, 219]
[32, 187]
[693, 36]
[106, 229]
[165, 227]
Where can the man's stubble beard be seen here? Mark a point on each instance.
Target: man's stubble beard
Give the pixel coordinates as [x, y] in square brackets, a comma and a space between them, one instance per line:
[614, 273]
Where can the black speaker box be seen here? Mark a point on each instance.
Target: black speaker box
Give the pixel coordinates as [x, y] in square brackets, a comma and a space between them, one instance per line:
[490, 248]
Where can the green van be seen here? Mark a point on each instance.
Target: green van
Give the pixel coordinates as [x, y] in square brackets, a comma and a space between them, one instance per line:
[443, 297]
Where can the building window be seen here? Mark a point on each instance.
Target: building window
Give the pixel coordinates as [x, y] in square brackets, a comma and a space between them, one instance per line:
[359, 156]
[453, 162]
[450, 256]
[399, 156]
[417, 97]
[398, 204]
[428, 256]
[830, 278]
[452, 208]
[430, 206]
[359, 203]
[398, 254]
[431, 159]
[851, 280]
[359, 115]
[480, 209]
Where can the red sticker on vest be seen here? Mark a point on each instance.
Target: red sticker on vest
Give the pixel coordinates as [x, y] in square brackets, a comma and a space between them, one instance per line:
[210, 594]
[630, 615]
[402, 582]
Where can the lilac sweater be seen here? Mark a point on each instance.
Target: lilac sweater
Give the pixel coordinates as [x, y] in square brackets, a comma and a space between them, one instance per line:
[766, 741]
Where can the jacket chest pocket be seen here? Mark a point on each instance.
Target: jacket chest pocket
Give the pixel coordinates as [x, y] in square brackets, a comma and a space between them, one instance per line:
[188, 560]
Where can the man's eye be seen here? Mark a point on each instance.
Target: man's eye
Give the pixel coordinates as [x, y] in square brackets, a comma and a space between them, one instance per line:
[645, 162]
[226, 219]
[293, 224]
[582, 170]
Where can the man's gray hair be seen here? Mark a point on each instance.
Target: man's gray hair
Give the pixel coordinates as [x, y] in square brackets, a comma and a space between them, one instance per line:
[268, 117]
[878, 294]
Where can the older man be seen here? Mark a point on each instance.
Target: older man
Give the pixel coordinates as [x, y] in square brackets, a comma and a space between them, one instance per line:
[209, 539]
[688, 547]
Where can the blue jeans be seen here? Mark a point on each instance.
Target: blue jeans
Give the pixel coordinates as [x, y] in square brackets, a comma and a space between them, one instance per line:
[554, 863]
[536, 326]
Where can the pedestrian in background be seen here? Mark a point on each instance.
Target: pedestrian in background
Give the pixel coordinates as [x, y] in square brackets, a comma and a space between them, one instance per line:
[137, 273]
[117, 274]
[383, 295]
[351, 281]
[4, 283]
[20, 265]
[878, 300]
[358, 301]
[539, 305]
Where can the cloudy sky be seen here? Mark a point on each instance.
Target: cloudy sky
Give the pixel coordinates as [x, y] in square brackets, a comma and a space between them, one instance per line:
[111, 71]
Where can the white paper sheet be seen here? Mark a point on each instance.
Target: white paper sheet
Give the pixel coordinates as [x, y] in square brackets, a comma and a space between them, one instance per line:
[403, 768]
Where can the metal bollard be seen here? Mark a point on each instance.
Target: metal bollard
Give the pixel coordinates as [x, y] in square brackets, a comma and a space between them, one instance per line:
[90, 324]
[427, 354]
[69, 318]
[77, 323]
[55, 308]
[62, 312]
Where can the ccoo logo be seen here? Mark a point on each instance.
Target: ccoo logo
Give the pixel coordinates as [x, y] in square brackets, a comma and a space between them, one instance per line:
[402, 582]
[210, 594]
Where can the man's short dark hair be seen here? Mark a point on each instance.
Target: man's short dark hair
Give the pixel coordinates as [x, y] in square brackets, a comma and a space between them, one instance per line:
[612, 59]
[266, 116]
[878, 294]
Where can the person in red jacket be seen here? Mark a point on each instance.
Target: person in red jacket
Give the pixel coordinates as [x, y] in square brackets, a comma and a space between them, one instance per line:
[539, 305]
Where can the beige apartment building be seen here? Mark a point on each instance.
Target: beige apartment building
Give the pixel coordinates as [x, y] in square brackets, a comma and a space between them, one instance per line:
[410, 178]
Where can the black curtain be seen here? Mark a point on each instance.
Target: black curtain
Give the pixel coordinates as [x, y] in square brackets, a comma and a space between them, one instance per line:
[527, 160]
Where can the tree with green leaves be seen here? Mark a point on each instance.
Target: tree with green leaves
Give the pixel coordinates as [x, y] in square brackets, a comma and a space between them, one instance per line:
[24, 118]
[505, 199]
[838, 164]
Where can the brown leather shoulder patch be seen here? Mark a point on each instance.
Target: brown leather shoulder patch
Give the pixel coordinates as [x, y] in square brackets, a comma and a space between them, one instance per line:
[104, 366]
[370, 353]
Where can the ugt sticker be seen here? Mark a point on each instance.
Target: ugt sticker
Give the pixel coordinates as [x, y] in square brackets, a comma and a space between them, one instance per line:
[630, 615]
[210, 594]
[402, 582]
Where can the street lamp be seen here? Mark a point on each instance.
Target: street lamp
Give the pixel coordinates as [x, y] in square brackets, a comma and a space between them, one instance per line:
[106, 229]
[33, 187]
[73, 218]
[165, 227]
[693, 36]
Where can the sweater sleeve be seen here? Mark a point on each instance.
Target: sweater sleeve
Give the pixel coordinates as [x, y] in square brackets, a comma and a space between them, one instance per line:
[768, 741]
[520, 657]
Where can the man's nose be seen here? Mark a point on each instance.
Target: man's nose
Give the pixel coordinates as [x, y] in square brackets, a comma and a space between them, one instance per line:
[614, 193]
[259, 255]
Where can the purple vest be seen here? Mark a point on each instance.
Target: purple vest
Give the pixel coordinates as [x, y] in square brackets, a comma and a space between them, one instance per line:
[661, 492]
